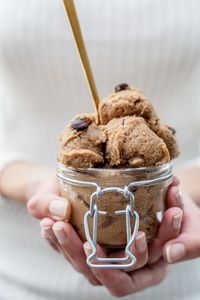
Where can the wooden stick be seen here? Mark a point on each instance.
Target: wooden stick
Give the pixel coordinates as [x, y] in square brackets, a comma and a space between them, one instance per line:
[76, 30]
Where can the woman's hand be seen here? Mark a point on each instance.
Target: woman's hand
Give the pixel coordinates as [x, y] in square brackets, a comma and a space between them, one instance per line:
[187, 244]
[62, 237]
[171, 222]
[119, 283]
[46, 200]
[46, 204]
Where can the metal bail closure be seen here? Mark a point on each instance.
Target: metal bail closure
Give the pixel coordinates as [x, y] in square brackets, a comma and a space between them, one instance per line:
[107, 263]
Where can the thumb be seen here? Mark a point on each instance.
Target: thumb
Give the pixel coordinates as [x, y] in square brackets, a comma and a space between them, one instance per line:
[49, 205]
[185, 246]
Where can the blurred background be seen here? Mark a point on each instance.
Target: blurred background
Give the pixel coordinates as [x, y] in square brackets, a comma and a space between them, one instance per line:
[153, 45]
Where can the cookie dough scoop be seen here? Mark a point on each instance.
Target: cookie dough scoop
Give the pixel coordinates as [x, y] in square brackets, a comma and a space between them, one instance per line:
[127, 101]
[131, 143]
[81, 143]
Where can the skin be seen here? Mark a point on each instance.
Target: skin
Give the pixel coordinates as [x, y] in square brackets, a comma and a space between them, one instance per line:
[37, 186]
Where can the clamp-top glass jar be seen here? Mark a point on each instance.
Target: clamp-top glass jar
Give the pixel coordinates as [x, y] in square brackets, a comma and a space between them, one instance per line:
[115, 202]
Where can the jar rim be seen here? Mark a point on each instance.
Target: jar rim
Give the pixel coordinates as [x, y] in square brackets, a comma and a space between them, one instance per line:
[106, 177]
[106, 171]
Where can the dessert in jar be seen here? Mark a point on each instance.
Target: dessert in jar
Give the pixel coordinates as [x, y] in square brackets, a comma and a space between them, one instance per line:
[119, 166]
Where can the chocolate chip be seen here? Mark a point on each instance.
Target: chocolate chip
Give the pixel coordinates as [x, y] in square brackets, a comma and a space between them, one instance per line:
[79, 124]
[172, 130]
[121, 87]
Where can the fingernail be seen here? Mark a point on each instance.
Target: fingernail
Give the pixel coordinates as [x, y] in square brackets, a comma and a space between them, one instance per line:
[159, 216]
[58, 208]
[45, 224]
[141, 242]
[60, 235]
[177, 220]
[175, 252]
[178, 197]
[87, 249]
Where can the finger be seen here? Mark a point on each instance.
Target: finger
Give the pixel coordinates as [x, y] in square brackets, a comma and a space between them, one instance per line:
[116, 281]
[53, 245]
[183, 248]
[49, 205]
[46, 225]
[169, 229]
[120, 283]
[174, 197]
[149, 275]
[187, 244]
[139, 249]
[73, 248]
[47, 233]
[49, 240]
[175, 181]
[46, 229]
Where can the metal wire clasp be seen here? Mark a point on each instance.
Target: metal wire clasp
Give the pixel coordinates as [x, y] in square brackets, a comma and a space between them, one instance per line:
[125, 262]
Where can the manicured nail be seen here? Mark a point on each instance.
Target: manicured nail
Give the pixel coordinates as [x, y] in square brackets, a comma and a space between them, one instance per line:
[175, 252]
[141, 242]
[177, 220]
[58, 208]
[87, 249]
[159, 216]
[60, 235]
[178, 197]
[45, 224]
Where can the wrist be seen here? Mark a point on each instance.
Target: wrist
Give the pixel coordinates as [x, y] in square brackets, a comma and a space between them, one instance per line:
[20, 180]
[37, 181]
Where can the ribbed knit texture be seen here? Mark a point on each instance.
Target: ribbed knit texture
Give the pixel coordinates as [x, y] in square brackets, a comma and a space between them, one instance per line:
[152, 44]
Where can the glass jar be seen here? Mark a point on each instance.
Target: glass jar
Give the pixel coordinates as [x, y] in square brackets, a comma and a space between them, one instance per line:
[107, 191]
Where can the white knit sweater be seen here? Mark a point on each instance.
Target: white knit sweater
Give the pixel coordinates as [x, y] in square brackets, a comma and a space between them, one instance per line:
[152, 44]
